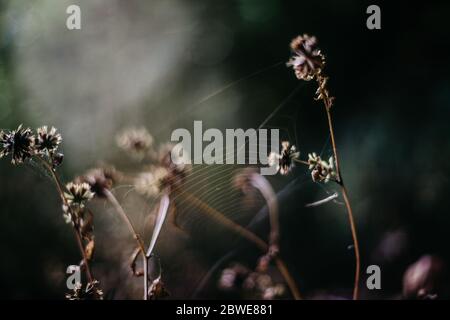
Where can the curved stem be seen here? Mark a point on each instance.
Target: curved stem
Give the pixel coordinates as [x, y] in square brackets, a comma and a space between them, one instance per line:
[250, 236]
[340, 181]
[355, 242]
[76, 229]
[112, 199]
[266, 190]
[287, 277]
[219, 217]
[160, 218]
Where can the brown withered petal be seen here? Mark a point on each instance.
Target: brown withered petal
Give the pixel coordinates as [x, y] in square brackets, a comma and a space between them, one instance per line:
[89, 249]
[85, 219]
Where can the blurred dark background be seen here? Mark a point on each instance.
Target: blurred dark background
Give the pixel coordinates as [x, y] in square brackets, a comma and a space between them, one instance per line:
[163, 64]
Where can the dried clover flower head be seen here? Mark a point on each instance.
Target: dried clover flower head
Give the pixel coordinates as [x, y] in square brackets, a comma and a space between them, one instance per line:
[151, 183]
[47, 140]
[321, 170]
[78, 194]
[99, 179]
[157, 289]
[307, 60]
[91, 292]
[19, 143]
[285, 161]
[136, 141]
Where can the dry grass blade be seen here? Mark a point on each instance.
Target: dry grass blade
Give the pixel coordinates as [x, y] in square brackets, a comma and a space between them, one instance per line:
[161, 217]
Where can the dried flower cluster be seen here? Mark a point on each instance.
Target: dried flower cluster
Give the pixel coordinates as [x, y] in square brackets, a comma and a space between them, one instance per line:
[100, 180]
[92, 291]
[19, 143]
[47, 140]
[152, 183]
[321, 170]
[22, 144]
[167, 171]
[253, 284]
[307, 60]
[78, 194]
[308, 63]
[135, 141]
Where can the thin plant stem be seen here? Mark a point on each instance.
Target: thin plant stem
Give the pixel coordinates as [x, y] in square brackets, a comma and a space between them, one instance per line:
[340, 181]
[112, 199]
[250, 236]
[76, 229]
[219, 217]
[302, 162]
[355, 242]
[266, 190]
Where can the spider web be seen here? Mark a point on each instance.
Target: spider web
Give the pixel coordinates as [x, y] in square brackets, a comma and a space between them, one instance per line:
[213, 184]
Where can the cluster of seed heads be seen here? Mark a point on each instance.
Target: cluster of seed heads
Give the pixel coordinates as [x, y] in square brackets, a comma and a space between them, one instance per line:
[321, 170]
[92, 291]
[285, 160]
[23, 143]
[308, 63]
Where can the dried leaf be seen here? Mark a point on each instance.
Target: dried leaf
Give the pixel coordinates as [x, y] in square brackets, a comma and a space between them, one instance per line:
[89, 249]
[87, 225]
